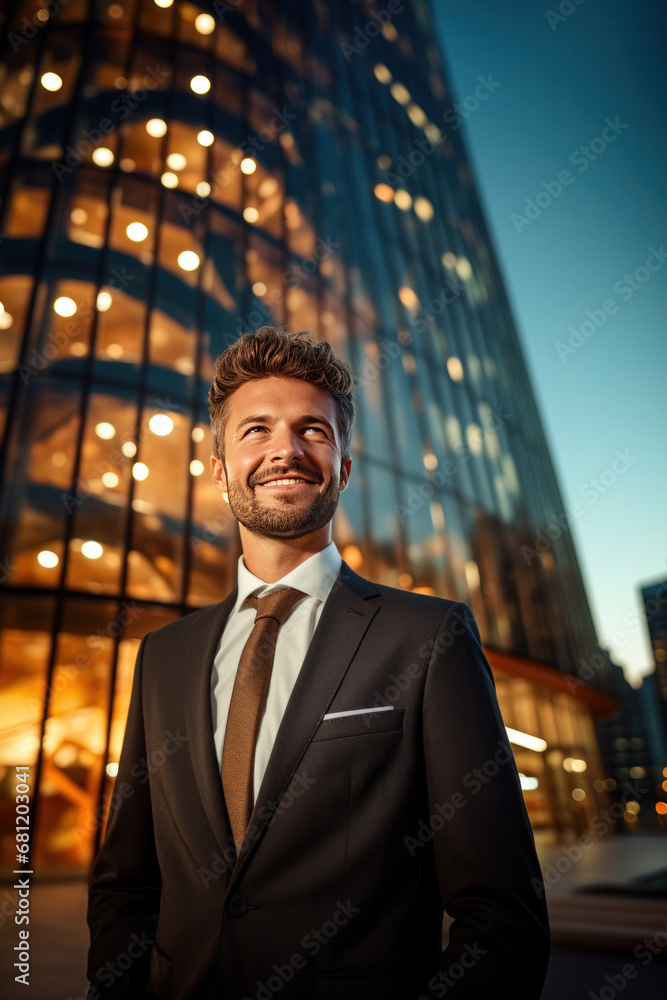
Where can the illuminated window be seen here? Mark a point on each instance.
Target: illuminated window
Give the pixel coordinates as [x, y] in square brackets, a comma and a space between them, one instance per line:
[59, 63]
[103, 480]
[265, 269]
[134, 207]
[35, 520]
[231, 48]
[25, 645]
[155, 561]
[213, 528]
[29, 201]
[75, 737]
[264, 193]
[120, 333]
[180, 253]
[300, 234]
[14, 297]
[186, 156]
[15, 91]
[172, 345]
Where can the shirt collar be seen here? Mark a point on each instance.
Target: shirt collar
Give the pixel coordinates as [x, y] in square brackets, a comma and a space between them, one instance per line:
[315, 577]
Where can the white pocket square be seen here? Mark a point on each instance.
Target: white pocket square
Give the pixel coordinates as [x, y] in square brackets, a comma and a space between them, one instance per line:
[358, 711]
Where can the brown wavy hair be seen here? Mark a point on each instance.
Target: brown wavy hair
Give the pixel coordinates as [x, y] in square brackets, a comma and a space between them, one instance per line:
[272, 351]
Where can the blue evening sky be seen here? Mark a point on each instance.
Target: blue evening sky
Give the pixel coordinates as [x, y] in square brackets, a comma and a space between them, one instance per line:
[558, 85]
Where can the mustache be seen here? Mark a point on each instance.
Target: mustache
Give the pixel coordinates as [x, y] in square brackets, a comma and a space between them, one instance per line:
[294, 471]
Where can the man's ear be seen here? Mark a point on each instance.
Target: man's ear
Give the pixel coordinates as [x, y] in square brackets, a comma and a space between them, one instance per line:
[218, 472]
[345, 474]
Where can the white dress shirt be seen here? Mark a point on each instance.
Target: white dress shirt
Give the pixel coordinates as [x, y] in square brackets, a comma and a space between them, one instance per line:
[315, 577]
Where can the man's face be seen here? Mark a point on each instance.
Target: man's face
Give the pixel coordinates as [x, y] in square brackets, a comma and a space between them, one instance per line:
[277, 429]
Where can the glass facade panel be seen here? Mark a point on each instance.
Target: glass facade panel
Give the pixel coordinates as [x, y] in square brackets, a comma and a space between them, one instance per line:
[74, 740]
[99, 502]
[42, 462]
[264, 194]
[120, 332]
[15, 82]
[24, 658]
[83, 216]
[29, 200]
[161, 482]
[56, 77]
[213, 541]
[63, 330]
[266, 276]
[133, 230]
[15, 291]
[383, 523]
[171, 345]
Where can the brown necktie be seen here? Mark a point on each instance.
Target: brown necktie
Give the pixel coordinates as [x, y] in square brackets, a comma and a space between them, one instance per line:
[248, 703]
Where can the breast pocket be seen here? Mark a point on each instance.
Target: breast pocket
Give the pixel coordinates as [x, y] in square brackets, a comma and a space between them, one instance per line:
[364, 724]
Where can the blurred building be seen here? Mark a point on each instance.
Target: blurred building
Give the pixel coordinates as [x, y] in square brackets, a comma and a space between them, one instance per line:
[654, 599]
[633, 738]
[652, 704]
[628, 753]
[653, 692]
[171, 175]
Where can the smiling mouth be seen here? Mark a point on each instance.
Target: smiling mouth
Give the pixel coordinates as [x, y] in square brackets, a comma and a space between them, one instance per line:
[291, 482]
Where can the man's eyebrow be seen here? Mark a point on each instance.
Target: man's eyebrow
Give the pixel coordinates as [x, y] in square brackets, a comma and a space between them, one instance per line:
[266, 418]
[261, 418]
[314, 419]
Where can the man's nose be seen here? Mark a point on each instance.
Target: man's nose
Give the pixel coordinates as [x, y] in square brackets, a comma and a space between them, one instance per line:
[285, 446]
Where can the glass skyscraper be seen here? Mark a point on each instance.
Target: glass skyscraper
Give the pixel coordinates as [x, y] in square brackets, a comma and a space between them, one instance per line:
[173, 174]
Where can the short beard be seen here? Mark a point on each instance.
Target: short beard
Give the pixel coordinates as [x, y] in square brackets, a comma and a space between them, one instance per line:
[292, 520]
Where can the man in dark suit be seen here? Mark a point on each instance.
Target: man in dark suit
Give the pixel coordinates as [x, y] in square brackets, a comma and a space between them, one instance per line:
[329, 767]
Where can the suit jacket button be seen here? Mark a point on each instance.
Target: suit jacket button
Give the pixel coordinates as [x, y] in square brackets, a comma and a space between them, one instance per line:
[237, 905]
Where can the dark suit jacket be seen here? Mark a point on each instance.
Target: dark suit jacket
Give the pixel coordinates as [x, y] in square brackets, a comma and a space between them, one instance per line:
[364, 829]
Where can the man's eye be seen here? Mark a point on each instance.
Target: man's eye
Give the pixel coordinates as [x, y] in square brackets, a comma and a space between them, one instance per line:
[260, 427]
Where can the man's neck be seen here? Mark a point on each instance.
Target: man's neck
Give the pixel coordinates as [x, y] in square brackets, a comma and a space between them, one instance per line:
[271, 558]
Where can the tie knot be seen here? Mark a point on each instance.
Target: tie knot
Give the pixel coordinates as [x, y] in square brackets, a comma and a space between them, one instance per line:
[277, 604]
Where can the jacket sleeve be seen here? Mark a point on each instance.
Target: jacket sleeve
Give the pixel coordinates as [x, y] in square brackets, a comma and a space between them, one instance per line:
[125, 882]
[483, 844]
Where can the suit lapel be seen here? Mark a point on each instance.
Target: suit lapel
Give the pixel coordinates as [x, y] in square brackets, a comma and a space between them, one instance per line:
[344, 620]
[199, 723]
